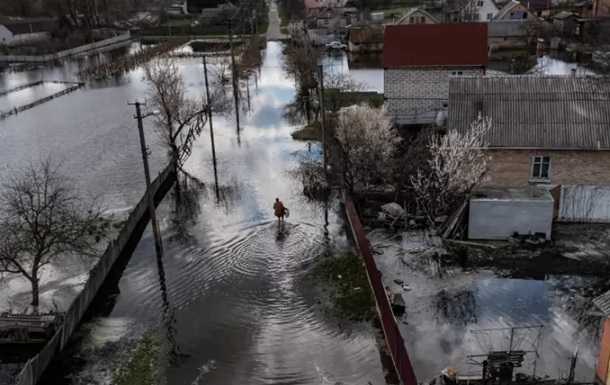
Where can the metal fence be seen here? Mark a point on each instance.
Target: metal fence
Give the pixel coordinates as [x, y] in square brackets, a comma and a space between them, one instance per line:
[393, 338]
[35, 367]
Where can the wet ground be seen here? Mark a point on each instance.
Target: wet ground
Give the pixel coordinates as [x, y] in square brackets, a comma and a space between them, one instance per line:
[452, 312]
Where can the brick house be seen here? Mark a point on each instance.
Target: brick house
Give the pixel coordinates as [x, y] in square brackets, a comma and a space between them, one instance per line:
[552, 131]
[419, 60]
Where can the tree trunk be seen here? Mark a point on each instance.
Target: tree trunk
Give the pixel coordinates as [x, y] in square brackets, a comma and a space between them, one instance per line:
[35, 293]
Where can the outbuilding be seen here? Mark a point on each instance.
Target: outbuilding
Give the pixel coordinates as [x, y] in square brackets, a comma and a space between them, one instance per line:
[501, 213]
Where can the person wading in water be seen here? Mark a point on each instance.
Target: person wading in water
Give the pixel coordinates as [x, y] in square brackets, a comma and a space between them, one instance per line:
[279, 210]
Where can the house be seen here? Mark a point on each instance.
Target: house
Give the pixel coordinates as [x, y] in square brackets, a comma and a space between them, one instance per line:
[419, 60]
[541, 8]
[470, 10]
[550, 131]
[17, 31]
[602, 373]
[566, 23]
[601, 8]
[365, 39]
[514, 10]
[313, 7]
[480, 10]
[506, 34]
[417, 16]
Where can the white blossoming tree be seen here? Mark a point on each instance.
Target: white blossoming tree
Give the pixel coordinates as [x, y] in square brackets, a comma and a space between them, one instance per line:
[368, 144]
[458, 162]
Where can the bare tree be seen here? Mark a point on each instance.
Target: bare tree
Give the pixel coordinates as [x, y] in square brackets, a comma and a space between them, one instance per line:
[42, 218]
[457, 163]
[368, 144]
[179, 120]
[302, 63]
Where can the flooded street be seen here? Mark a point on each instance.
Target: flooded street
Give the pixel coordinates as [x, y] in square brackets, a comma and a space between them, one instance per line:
[234, 283]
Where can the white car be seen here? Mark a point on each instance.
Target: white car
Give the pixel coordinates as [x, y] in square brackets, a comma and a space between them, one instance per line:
[336, 45]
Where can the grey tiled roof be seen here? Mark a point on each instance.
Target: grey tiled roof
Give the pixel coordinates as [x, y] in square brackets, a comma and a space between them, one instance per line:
[550, 112]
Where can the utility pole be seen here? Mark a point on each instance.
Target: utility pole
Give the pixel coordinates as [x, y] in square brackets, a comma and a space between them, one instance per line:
[323, 116]
[151, 198]
[234, 76]
[209, 101]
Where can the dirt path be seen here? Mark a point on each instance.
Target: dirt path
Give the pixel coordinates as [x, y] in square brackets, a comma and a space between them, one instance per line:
[274, 32]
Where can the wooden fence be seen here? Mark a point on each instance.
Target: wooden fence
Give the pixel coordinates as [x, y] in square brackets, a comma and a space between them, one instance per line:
[393, 338]
[35, 367]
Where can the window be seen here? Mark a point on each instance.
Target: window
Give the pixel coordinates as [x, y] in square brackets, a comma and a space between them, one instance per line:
[422, 20]
[541, 168]
[456, 73]
[479, 3]
[411, 20]
[490, 16]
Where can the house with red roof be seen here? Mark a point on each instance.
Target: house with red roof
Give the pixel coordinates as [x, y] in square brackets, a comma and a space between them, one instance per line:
[419, 60]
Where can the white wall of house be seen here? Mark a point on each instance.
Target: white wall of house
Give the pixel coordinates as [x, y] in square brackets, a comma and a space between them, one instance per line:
[480, 10]
[415, 95]
[6, 36]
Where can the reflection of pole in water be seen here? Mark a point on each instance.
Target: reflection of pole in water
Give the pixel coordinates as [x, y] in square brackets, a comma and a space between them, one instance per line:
[169, 317]
[248, 92]
[209, 110]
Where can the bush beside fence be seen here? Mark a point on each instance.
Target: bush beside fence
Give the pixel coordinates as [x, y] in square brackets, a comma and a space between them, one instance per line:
[35, 367]
[393, 338]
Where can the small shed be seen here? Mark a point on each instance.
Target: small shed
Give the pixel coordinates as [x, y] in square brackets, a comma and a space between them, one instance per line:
[500, 213]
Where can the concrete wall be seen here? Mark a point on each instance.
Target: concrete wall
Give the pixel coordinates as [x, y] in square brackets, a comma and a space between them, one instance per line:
[499, 219]
[511, 168]
[413, 92]
[33, 370]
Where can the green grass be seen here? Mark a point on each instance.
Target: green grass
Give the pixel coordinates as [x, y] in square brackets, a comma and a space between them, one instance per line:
[312, 131]
[142, 366]
[351, 293]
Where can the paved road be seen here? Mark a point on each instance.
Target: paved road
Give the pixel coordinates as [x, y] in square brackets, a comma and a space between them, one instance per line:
[274, 32]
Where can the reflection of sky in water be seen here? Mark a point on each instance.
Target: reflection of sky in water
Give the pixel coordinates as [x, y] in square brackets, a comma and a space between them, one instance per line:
[371, 79]
[550, 66]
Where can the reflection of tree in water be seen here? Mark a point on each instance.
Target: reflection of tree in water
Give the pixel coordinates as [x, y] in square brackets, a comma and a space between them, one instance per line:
[459, 308]
[575, 294]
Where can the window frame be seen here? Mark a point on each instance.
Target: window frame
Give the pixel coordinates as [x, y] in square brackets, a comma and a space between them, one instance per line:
[539, 160]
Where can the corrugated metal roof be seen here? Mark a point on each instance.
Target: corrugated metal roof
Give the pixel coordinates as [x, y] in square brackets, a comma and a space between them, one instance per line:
[552, 112]
[603, 303]
[413, 45]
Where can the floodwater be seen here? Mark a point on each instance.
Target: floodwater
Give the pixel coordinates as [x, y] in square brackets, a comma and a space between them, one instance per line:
[233, 283]
[453, 313]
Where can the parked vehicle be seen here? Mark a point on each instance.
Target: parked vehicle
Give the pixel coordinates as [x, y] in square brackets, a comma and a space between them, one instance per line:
[336, 45]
